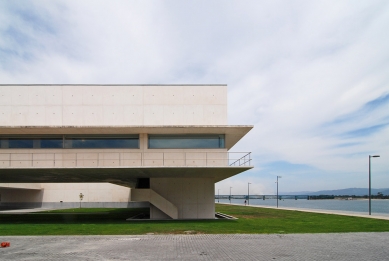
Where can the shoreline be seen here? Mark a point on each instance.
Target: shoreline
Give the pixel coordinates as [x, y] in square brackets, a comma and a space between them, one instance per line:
[319, 211]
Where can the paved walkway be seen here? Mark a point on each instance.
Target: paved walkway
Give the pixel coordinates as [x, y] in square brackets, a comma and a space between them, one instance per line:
[23, 211]
[322, 211]
[348, 246]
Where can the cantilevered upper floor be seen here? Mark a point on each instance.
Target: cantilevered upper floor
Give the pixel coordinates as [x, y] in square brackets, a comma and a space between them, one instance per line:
[117, 133]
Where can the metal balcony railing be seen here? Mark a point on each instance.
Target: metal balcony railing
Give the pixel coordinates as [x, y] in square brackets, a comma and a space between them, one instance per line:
[125, 159]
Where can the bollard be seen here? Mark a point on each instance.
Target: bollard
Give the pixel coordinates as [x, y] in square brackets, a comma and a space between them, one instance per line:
[5, 244]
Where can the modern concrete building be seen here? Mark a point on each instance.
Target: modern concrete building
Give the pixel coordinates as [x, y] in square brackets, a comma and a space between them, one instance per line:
[118, 145]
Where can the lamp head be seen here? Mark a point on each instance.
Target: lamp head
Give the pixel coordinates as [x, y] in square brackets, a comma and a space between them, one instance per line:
[375, 156]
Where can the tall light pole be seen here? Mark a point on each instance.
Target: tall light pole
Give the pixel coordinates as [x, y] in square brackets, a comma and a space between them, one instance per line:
[374, 156]
[218, 195]
[230, 194]
[248, 193]
[278, 177]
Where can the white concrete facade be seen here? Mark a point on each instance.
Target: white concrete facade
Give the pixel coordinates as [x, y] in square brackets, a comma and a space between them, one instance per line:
[113, 105]
[181, 181]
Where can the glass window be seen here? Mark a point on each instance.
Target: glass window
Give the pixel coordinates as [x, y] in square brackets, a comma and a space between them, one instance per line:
[47, 143]
[206, 141]
[102, 142]
[20, 143]
[24, 142]
[76, 142]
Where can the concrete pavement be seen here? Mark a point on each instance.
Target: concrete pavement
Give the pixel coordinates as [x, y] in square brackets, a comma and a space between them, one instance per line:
[347, 246]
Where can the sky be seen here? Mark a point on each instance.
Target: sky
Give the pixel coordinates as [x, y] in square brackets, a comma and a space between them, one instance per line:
[311, 76]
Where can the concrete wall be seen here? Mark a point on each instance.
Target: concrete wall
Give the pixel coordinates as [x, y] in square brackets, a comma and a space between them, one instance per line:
[114, 105]
[20, 198]
[194, 197]
[93, 192]
[66, 195]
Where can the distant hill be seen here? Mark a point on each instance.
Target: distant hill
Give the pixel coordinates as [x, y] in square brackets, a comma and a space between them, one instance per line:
[347, 191]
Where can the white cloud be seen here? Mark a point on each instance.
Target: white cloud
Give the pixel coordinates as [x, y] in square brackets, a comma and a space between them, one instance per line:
[291, 67]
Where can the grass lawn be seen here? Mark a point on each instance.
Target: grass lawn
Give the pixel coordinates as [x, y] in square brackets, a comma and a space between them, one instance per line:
[251, 220]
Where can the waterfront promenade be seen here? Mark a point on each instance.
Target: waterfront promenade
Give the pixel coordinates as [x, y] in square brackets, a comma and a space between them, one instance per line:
[322, 211]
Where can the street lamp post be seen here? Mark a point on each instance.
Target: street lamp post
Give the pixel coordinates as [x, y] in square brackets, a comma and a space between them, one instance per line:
[230, 194]
[278, 177]
[374, 156]
[248, 193]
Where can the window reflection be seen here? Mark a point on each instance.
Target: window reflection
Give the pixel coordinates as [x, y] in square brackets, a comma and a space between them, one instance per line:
[89, 141]
[186, 141]
[51, 143]
[15, 143]
[103, 143]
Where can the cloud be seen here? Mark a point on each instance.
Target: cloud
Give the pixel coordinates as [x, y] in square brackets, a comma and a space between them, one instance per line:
[311, 76]
[365, 131]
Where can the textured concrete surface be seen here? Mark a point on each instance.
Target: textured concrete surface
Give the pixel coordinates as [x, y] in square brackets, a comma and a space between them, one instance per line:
[348, 246]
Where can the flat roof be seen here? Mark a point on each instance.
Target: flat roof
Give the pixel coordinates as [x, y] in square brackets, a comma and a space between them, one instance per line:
[175, 84]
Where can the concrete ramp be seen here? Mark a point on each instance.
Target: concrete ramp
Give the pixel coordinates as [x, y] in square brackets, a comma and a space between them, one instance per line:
[36, 186]
[157, 200]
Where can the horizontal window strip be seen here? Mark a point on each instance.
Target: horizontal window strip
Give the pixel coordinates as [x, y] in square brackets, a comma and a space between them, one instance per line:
[188, 141]
[69, 142]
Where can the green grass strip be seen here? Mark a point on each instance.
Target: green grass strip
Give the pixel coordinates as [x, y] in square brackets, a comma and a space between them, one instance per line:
[251, 220]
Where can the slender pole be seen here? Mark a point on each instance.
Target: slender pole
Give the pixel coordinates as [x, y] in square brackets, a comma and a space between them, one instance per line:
[218, 195]
[369, 185]
[230, 194]
[374, 156]
[277, 191]
[248, 193]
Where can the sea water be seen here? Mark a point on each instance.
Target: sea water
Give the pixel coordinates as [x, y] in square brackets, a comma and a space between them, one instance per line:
[378, 206]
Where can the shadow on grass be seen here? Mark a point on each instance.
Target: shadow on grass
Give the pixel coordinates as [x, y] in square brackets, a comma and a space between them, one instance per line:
[73, 216]
[251, 220]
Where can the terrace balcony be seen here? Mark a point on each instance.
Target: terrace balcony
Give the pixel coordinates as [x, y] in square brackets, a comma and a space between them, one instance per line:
[122, 168]
[124, 159]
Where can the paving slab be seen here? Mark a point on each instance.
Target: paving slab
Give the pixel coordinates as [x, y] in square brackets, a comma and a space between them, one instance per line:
[334, 246]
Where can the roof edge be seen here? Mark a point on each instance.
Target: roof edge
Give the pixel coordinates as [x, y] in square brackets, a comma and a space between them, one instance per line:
[175, 84]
